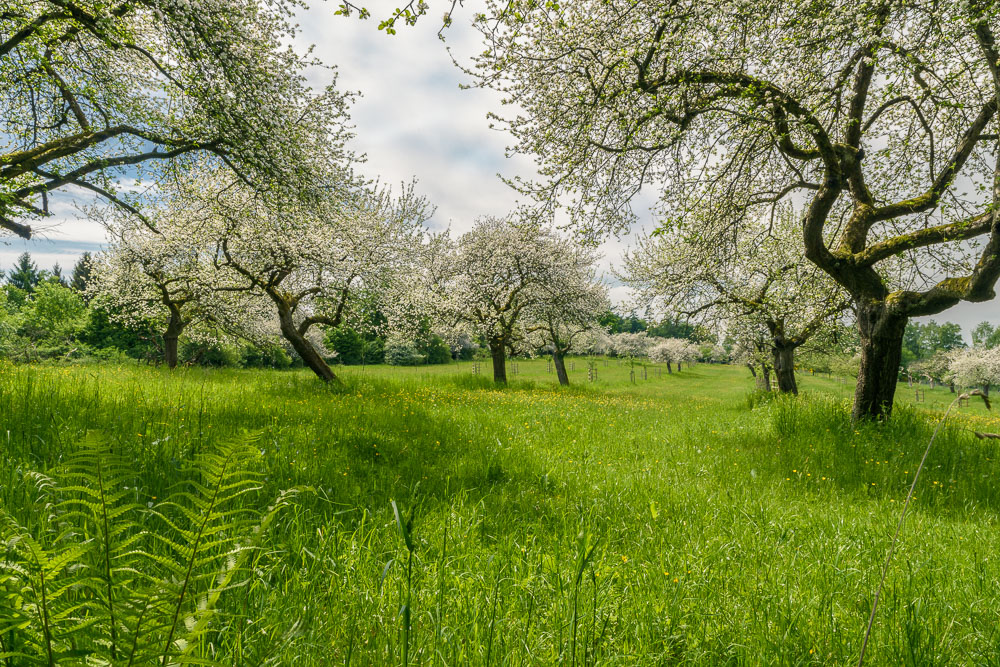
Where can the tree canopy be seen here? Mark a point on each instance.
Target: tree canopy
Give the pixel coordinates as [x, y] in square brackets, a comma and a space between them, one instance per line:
[506, 278]
[104, 95]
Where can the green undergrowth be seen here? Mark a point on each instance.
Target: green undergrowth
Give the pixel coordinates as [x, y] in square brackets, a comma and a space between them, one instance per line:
[667, 521]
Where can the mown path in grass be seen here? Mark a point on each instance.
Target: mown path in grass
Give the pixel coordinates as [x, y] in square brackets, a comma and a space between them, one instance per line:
[723, 532]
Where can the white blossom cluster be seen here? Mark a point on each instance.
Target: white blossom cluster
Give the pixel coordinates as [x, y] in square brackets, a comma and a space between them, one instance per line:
[515, 283]
[696, 98]
[975, 366]
[753, 282]
[674, 350]
[630, 345]
[595, 342]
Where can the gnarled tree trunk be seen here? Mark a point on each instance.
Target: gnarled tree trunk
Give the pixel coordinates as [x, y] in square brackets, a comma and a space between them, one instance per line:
[498, 350]
[310, 357]
[881, 352]
[557, 358]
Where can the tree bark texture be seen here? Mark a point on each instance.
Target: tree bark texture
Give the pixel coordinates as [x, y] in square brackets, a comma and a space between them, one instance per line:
[310, 357]
[175, 325]
[881, 352]
[784, 368]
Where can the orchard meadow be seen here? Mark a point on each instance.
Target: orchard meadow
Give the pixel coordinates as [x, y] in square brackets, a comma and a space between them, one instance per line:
[599, 333]
[681, 518]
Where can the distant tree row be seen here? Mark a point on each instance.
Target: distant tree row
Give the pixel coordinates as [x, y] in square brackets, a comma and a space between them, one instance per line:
[668, 327]
[945, 358]
[45, 315]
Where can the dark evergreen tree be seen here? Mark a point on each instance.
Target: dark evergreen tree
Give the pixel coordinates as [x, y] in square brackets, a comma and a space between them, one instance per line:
[57, 275]
[25, 274]
[82, 272]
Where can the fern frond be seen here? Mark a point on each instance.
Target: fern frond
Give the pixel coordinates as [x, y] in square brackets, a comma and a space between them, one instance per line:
[41, 582]
[106, 581]
[220, 471]
[95, 480]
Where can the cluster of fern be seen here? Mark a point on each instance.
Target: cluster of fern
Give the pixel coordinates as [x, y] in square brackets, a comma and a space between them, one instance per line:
[107, 580]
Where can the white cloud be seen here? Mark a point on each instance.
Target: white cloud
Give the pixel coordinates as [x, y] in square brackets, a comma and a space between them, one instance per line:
[413, 120]
[59, 239]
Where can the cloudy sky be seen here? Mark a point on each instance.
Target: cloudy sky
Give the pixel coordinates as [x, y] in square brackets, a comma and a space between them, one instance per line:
[415, 120]
[412, 120]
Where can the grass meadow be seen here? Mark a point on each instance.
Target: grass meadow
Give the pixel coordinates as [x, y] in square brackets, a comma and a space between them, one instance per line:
[677, 520]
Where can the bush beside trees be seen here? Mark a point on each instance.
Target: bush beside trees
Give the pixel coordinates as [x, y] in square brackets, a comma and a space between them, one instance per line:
[402, 353]
[436, 350]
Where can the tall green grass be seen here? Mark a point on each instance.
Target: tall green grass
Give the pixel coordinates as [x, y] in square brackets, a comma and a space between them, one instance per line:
[604, 523]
